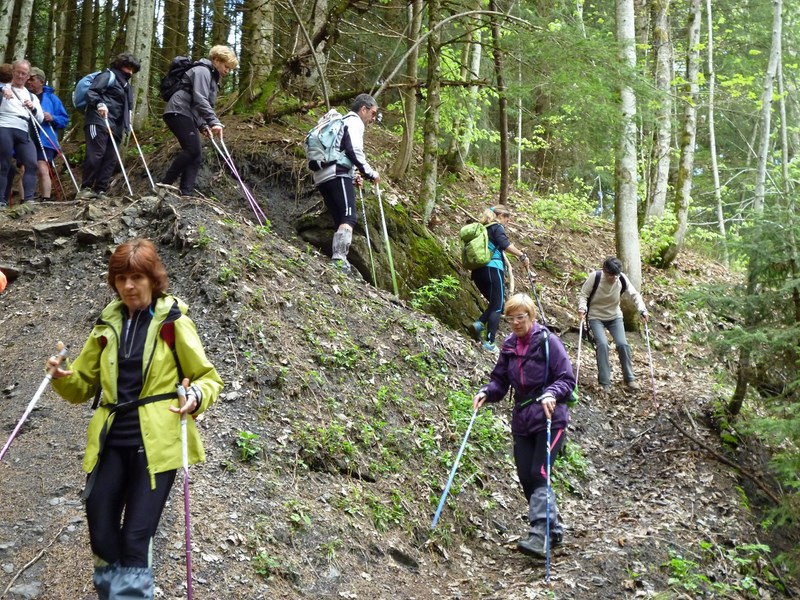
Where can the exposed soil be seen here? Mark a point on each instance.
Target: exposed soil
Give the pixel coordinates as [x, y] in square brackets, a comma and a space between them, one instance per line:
[359, 404]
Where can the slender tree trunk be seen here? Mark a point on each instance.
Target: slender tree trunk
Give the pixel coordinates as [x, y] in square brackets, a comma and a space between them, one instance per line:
[221, 26]
[6, 12]
[140, 41]
[660, 155]
[23, 26]
[430, 152]
[627, 231]
[683, 192]
[502, 105]
[199, 28]
[86, 45]
[766, 106]
[65, 44]
[171, 26]
[257, 48]
[182, 39]
[462, 130]
[408, 96]
[712, 135]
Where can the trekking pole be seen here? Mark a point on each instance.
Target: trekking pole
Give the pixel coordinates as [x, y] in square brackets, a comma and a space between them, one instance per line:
[547, 512]
[187, 519]
[578, 369]
[119, 157]
[453, 471]
[366, 230]
[228, 160]
[57, 148]
[62, 352]
[386, 241]
[650, 358]
[144, 162]
[535, 295]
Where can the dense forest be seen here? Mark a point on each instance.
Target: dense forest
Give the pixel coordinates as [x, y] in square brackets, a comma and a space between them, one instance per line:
[677, 120]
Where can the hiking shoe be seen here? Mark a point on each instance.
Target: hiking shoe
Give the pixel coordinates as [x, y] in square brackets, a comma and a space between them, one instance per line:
[341, 265]
[87, 194]
[605, 389]
[476, 331]
[490, 346]
[533, 545]
[633, 385]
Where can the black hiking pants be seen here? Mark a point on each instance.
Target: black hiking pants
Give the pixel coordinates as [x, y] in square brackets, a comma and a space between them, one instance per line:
[530, 456]
[101, 158]
[186, 164]
[489, 282]
[339, 194]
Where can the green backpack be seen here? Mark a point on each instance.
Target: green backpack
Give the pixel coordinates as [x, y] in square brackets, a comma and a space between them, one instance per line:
[475, 251]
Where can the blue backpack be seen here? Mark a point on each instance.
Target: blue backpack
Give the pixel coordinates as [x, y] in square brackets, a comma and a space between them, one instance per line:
[323, 142]
[79, 100]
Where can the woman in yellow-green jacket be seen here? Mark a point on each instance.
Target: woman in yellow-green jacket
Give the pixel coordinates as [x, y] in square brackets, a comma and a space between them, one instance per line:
[142, 346]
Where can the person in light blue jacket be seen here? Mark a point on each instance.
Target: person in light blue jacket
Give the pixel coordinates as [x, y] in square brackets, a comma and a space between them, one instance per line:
[55, 118]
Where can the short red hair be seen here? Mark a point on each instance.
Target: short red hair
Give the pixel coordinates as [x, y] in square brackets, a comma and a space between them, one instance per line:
[138, 256]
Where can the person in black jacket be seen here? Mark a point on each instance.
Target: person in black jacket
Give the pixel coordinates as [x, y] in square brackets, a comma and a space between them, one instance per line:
[190, 111]
[489, 278]
[109, 103]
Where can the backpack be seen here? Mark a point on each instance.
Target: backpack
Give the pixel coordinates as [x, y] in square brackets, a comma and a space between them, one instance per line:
[573, 398]
[476, 250]
[79, 99]
[323, 142]
[595, 285]
[174, 79]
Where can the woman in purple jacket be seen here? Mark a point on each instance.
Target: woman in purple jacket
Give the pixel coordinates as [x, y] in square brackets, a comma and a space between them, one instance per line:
[535, 364]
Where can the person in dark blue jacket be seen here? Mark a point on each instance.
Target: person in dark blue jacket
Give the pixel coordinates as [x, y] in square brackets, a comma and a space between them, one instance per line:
[489, 278]
[109, 101]
[534, 363]
[55, 117]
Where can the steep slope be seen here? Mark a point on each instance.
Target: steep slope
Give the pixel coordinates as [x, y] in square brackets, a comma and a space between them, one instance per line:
[335, 434]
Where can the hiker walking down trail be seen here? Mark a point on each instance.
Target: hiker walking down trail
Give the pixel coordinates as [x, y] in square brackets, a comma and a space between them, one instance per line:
[54, 117]
[598, 301]
[190, 110]
[17, 108]
[489, 278]
[142, 345]
[109, 102]
[336, 180]
[534, 363]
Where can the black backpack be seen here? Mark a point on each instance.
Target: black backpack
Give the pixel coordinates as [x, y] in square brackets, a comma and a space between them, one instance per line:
[597, 275]
[174, 80]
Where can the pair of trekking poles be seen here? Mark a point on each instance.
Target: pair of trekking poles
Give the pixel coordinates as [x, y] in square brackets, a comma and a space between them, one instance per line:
[385, 239]
[181, 391]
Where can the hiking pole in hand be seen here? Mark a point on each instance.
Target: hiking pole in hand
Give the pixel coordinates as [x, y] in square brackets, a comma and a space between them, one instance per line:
[386, 241]
[547, 511]
[650, 358]
[187, 519]
[119, 157]
[453, 471]
[62, 352]
[57, 148]
[228, 160]
[144, 162]
[535, 295]
[366, 230]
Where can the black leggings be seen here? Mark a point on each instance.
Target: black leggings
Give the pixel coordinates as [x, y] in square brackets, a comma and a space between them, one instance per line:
[489, 281]
[101, 158]
[186, 164]
[123, 484]
[339, 194]
[530, 456]
[16, 141]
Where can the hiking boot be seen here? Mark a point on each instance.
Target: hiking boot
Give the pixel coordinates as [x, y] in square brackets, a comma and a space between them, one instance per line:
[633, 385]
[341, 265]
[605, 388]
[533, 545]
[86, 194]
[476, 331]
[490, 346]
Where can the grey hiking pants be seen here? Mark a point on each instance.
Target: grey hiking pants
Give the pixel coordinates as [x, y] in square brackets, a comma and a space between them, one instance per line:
[616, 328]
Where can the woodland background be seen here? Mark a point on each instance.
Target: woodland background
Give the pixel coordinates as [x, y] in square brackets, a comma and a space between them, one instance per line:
[677, 120]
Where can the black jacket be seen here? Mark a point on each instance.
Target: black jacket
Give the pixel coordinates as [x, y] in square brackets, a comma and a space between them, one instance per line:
[118, 98]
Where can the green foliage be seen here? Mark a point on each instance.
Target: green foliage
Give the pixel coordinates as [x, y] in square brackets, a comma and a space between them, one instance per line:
[248, 444]
[435, 292]
[569, 209]
[203, 239]
[656, 236]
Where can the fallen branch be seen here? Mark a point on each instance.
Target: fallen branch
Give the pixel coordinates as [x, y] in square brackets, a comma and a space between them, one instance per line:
[31, 562]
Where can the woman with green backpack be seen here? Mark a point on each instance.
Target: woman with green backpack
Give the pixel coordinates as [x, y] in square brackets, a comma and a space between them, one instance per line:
[489, 278]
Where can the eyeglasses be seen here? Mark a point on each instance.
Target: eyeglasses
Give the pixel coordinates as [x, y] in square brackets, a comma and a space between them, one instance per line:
[515, 318]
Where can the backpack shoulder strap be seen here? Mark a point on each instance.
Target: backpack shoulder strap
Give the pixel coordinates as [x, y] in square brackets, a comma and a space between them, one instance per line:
[546, 346]
[168, 335]
[623, 282]
[595, 285]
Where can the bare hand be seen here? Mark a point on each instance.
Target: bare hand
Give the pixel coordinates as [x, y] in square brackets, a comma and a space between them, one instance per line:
[102, 111]
[478, 400]
[54, 364]
[548, 405]
[216, 129]
[187, 399]
[48, 117]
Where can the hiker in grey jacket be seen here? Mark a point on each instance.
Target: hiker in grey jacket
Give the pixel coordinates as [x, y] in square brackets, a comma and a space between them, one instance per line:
[190, 111]
[336, 181]
[599, 301]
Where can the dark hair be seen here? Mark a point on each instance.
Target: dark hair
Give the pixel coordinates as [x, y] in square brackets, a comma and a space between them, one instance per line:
[138, 256]
[361, 101]
[6, 74]
[612, 266]
[126, 60]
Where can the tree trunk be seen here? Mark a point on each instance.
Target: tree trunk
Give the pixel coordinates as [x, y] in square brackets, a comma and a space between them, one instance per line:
[625, 215]
[660, 155]
[766, 106]
[6, 12]
[683, 191]
[502, 105]
[430, 152]
[220, 28]
[712, 135]
[257, 48]
[22, 28]
[199, 28]
[65, 44]
[172, 24]
[86, 44]
[140, 42]
[408, 96]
